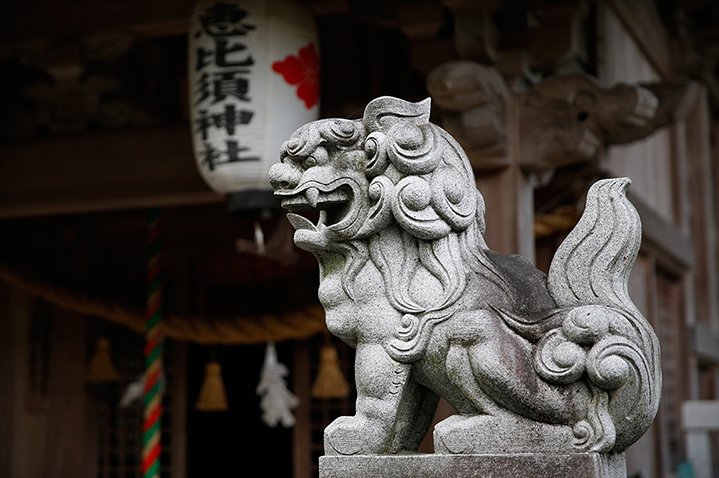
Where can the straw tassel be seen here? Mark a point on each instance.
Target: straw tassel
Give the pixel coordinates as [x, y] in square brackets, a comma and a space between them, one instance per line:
[212, 394]
[330, 381]
[102, 369]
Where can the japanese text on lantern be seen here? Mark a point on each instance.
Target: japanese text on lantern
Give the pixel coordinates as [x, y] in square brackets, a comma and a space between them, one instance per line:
[222, 89]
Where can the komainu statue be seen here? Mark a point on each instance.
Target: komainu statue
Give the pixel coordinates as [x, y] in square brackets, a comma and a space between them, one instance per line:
[557, 363]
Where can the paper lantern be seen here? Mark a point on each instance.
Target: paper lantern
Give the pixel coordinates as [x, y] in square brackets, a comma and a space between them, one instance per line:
[253, 79]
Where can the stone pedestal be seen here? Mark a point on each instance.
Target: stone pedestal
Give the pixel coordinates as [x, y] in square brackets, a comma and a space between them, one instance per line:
[530, 465]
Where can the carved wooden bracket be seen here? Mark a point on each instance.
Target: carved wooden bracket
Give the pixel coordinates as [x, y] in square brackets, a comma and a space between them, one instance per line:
[542, 34]
[562, 120]
[519, 39]
[472, 100]
[475, 34]
[421, 22]
[569, 119]
[676, 100]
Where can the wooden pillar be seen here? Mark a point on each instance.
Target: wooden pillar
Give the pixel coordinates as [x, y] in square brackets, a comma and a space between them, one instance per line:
[475, 106]
[703, 215]
[302, 431]
[178, 440]
[13, 346]
[509, 197]
[67, 414]
[45, 402]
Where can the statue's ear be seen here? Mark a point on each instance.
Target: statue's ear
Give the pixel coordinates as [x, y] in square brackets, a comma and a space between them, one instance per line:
[385, 110]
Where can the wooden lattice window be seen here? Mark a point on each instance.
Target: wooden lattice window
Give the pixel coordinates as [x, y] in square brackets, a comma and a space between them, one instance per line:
[324, 411]
[314, 414]
[119, 447]
[670, 330]
[38, 389]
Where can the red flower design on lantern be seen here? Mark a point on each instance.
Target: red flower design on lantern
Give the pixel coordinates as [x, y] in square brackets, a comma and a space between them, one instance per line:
[302, 70]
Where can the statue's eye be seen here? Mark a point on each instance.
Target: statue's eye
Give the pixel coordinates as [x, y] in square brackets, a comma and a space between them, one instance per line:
[309, 162]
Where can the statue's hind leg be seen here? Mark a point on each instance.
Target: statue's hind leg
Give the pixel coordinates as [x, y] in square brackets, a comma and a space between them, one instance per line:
[493, 368]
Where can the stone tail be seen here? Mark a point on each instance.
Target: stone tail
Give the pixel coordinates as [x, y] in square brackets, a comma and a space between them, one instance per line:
[589, 275]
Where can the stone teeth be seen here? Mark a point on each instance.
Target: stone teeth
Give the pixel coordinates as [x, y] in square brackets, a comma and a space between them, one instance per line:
[336, 195]
[312, 195]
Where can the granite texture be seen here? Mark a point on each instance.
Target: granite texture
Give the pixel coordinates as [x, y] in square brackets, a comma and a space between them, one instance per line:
[532, 363]
[584, 465]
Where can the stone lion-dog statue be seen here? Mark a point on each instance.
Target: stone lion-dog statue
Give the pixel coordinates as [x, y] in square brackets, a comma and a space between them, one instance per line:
[556, 363]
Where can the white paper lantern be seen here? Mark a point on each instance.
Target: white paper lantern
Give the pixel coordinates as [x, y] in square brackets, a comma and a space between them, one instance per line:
[253, 79]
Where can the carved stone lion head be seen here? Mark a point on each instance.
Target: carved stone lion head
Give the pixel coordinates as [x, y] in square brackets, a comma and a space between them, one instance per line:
[392, 166]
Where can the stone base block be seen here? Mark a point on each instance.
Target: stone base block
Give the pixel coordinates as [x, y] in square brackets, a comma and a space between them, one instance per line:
[529, 465]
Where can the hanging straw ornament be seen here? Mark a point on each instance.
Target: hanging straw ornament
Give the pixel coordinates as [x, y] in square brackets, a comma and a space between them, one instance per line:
[260, 239]
[102, 369]
[135, 390]
[277, 402]
[212, 394]
[330, 381]
[278, 247]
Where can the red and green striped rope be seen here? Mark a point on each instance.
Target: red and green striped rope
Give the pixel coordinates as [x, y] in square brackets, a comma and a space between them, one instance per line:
[154, 337]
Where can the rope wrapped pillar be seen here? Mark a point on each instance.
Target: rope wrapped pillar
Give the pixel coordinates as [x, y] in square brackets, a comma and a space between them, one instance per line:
[154, 338]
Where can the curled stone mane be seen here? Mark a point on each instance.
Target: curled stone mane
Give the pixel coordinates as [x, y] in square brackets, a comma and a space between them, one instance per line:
[413, 206]
[424, 209]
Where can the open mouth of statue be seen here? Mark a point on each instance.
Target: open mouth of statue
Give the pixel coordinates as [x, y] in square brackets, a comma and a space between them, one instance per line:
[332, 202]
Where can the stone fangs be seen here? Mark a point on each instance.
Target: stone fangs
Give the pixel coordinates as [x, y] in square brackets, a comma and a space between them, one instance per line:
[313, 198]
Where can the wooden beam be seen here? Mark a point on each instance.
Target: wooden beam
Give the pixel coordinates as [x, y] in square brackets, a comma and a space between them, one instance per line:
[509, 198]
[642, 21]
[672, 249]
[705, 342]
[101, 172]
[29, 20]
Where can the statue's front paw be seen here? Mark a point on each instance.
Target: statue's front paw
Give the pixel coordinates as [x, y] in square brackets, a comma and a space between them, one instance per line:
[351, 436]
